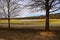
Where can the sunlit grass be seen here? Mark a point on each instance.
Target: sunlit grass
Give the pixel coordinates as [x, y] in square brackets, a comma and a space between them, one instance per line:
[54, 21]
[27, 21]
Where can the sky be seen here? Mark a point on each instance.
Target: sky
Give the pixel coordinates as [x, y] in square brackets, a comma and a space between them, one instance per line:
[27, 12]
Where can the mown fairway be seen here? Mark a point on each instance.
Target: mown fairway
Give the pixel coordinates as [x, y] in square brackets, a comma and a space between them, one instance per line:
[29, 21]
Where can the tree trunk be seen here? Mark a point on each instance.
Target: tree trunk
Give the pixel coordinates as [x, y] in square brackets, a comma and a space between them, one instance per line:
[8, 15]
[47, 15]
[47, 20]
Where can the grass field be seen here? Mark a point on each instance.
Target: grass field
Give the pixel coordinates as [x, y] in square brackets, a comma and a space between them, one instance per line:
[29, 21]
[27, 35]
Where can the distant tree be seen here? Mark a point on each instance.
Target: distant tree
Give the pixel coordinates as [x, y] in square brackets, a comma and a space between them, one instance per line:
[48, 6]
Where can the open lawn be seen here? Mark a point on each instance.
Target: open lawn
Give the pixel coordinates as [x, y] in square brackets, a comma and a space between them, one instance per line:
[29, 21]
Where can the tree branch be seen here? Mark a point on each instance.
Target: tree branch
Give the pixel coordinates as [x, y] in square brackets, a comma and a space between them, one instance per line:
[55, 10]
[51, 3]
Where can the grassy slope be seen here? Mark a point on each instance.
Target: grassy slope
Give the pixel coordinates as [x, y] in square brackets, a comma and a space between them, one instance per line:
[25, 21]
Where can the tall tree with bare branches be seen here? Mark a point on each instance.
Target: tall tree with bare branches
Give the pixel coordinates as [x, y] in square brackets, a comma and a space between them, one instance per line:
[10, 9]
[48, 6]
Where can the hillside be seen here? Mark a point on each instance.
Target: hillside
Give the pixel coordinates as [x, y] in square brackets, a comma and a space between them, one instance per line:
[51, 16]
[55, 16]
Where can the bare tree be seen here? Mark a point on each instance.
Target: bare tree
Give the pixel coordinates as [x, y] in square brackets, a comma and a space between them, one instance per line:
[47, 5]
[8, 4]
[14, 8]
[10, 9]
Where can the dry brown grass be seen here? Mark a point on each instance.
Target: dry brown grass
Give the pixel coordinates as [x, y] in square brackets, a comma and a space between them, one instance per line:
[25, 35]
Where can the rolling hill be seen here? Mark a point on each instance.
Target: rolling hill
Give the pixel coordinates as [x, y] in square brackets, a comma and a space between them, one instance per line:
[51, 16]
